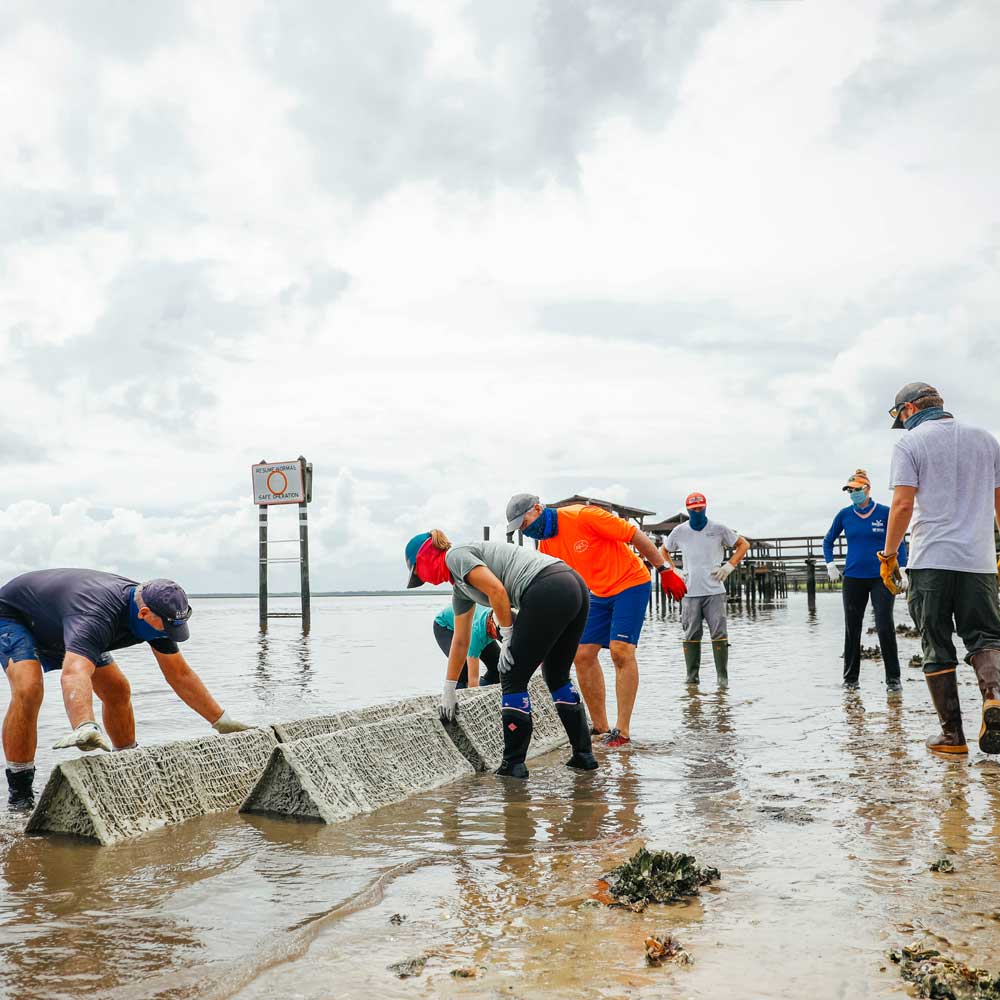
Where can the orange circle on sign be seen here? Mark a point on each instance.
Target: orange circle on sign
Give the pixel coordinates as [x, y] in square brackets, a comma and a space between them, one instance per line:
[284, 482]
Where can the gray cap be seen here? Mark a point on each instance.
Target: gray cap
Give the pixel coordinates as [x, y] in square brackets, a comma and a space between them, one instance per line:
[517, 506]
[910, 393]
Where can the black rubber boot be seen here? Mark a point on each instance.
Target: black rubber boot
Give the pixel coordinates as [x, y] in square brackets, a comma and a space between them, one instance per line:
[574, 720]
[692, 659]
[517, 728]
[720, 650]
[943, 686]
[986, 663]
[22, 793]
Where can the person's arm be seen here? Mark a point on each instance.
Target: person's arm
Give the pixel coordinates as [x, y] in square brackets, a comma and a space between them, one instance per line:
[900, 514]
[740, 550]
[666, 557]
[836, 530]
[473, 662]
[188, 686]
[487, 583]
[460, 646]
[654, 556]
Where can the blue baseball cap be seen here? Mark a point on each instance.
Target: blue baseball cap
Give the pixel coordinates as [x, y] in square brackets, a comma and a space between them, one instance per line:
[168, 601]
[413, 546]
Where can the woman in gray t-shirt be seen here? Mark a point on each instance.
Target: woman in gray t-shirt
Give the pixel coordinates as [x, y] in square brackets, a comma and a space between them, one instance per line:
[552, 603]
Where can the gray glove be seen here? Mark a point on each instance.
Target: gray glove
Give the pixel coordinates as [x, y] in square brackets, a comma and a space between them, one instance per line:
[506, 656]
[832, 572]
[448, 708]
[86, 736]
[226, 724]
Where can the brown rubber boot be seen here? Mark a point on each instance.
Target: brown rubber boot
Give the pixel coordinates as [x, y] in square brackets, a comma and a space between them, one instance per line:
[943, 686]
[986, 663]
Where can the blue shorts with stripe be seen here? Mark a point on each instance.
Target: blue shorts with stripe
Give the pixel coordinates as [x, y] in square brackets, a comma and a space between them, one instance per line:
[618, 618]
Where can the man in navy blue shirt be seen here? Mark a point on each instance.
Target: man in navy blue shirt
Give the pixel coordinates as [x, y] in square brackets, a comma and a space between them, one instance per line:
[864, 523]
[71, 620]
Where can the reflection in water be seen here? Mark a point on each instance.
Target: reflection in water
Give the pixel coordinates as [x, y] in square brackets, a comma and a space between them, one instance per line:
[822, 810]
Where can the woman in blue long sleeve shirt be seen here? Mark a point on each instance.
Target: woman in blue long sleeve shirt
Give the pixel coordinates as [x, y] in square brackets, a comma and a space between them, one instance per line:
[863, 524]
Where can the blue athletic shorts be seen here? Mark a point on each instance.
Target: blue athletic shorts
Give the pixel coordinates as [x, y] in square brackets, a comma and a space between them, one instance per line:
[617, 618]
[17, 643]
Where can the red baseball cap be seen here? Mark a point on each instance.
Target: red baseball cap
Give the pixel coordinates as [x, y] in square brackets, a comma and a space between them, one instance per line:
[695, 500]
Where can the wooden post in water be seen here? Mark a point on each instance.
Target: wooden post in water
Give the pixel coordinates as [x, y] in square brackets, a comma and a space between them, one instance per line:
[262, 576]
[304, 566]
[811, 582]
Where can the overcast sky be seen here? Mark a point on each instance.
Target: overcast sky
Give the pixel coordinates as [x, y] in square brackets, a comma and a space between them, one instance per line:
[454, 250]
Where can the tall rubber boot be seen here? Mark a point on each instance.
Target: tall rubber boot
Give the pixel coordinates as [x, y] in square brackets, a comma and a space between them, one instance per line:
[692, 659]
[21, 796]
[574, 720]
[986, 663]
[720, 650]
[943, 686]
[517, 727]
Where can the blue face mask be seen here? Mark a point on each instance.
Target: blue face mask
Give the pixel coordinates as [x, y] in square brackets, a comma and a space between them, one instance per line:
[859, 498]
[544, 526]
[140, 629]
[698, 519]
[931, 413]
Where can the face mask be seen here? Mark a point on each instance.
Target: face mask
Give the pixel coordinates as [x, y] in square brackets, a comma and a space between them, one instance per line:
[430, 565]
[698, 519]
[931, 413]
[139, 628]
[859, 498]
[544, 526]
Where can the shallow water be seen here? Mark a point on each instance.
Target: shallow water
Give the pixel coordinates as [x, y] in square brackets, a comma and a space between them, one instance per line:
[821, 808]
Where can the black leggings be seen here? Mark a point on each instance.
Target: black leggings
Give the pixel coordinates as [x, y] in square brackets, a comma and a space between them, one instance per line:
[856, 592]
[549, 624]
[490, 657]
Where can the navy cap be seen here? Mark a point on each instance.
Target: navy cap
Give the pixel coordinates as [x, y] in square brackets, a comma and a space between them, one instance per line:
[910, 393]
[168, 601]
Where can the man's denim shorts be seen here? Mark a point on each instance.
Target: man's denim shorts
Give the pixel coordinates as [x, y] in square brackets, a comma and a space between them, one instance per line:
[17, 643]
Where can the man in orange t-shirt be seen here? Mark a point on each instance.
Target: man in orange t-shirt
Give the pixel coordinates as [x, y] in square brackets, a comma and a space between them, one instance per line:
[596, 544]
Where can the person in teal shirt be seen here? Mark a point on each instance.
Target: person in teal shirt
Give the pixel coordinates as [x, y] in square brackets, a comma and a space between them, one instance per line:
[482, 645]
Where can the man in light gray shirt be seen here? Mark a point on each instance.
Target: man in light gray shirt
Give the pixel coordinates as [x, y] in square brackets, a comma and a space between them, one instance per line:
[946, 479]
[702, 544]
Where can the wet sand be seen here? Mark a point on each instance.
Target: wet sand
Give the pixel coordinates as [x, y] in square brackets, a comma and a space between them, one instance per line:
[821, 808]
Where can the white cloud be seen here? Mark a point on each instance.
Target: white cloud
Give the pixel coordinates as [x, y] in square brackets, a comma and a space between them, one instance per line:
[630, 249]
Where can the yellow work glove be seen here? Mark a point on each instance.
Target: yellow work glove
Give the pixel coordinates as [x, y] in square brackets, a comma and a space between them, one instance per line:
[890, 573]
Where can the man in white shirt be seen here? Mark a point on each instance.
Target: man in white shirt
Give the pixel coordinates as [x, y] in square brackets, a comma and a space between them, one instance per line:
[946, 479]
[702, 544]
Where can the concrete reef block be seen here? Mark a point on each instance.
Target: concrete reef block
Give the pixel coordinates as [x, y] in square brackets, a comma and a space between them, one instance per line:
[112, 797]
[477, 730]
[321, 725]
[342, 774]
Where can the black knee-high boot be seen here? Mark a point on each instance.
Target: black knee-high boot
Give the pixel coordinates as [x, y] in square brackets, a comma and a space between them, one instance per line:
[574, 720]
[517, 728]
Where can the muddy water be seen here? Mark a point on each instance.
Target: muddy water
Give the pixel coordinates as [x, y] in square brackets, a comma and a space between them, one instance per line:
[821, 808]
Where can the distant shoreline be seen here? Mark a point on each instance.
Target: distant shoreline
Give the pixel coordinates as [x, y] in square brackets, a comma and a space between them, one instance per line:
[330, 593]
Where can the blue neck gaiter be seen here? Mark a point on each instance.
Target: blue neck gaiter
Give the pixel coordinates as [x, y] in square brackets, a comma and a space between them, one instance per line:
[139, 628]
[698, 519]
[545, 525]
[931, 413]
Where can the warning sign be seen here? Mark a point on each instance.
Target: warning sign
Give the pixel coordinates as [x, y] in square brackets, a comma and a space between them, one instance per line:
[279, 482]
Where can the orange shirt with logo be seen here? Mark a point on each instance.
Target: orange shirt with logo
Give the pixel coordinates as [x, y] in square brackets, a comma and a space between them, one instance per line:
[595, 544]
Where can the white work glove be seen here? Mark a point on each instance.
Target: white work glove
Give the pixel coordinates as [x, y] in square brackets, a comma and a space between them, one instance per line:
[721, 573]
[832, 572]
[225, 723]
[506, 656]
[448, 708]
[904, 580]
[86, 736]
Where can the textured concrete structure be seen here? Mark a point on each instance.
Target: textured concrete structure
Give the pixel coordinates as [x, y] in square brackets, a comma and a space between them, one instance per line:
[111, 797]
[341, 774]
[477, 730]
[320, 725]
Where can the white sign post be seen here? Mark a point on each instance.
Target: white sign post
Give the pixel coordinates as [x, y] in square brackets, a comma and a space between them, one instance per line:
[279, 482]
[282, 483]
